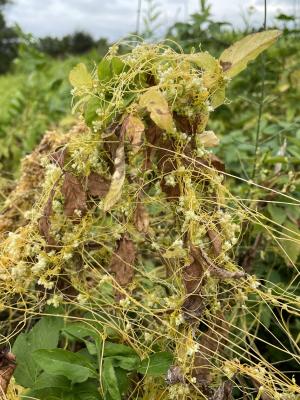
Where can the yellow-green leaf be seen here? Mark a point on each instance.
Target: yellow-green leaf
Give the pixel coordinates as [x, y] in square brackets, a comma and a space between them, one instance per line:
[154, 101]
[80, 78]
[134, 131]
[236, 57]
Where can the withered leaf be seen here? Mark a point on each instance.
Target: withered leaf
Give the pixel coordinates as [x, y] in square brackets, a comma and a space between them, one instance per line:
[118, 178]
[75, 196]
[58, 157]
[174, 375]
[7, 367]
[211, 343]
[215, 241]
[44, 221]
[97, 186]
[208, 139]
[134, 131]
[141, 218]
[193, 305]
[122, 261]
[223, 392]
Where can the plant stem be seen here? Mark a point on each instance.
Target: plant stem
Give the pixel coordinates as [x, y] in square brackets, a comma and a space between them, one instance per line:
[261, 100]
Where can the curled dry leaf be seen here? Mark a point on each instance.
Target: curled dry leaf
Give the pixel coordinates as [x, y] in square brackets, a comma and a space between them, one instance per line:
[134, 130]
[208, 139]
[75, 196]
[193, 305]
[215, 241]
[141, 218]
[97, 186]
[154, 101]
[224, 391]
[118, 178]
[58, 157]
[122, 261]
[7, 367]
[211, 343]
[44, 221]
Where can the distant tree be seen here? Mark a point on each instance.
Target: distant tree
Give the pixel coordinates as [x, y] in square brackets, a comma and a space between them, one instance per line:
[8, 41]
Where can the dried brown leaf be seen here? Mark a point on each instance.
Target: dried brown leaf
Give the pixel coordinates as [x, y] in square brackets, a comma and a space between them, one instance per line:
[7, 367]
[58, 157]
[134, 131]
[97, 186]
[224, 391]
[75, 196]
[215, 241]
[141, 218]
[211, 344]
[122, 262]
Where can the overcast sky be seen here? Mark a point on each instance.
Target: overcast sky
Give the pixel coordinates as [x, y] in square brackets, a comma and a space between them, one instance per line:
[116, 18]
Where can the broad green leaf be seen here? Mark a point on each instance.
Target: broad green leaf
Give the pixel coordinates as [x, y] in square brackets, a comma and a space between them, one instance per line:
[125, 362]
[90, 112]
[80, 78]
[104, 70]
[156, 364]
[74, 366]
[118, 179]
[117, 65]
[80, 391]
[80, 331]
[236, 57]
[44, 335]
[154, 101]
[278, 214]
[116, 349]
[291, 245]
[110, 381]
[108, 68]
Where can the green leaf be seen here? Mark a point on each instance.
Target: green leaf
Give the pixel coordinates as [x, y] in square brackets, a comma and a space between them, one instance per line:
[278, 214]
[90, 113]
[117, 65]
[104, 70]
[44, 335]
[291, 245]
[74, 366]
[116, 349]
[110, 381]
[154, 101]
[127, 363]
[80, 331]
[80, 78]
[236, 57]
[156, 364]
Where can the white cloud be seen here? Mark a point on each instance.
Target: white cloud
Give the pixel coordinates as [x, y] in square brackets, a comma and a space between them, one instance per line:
[116, 18]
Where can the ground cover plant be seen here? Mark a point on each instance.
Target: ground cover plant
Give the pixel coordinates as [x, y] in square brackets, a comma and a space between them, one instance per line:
[121, 279]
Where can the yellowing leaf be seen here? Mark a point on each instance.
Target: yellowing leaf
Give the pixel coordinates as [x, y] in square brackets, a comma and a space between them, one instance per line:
[134, 131]
[80, 78]
[209, 65]
[236, 57]
[118, 178]
[154, 101]
[208, 139]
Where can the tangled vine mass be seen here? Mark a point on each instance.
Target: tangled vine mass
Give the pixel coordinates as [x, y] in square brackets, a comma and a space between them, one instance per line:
[126, 223]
